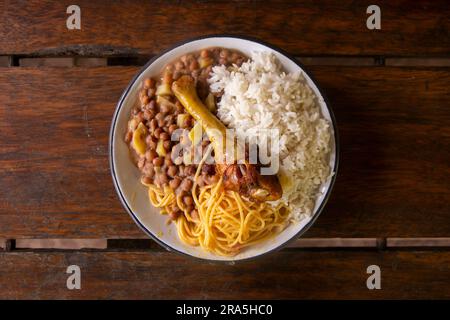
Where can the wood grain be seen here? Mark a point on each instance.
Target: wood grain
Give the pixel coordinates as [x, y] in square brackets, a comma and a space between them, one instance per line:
[394, 126]
[302, 27]
[285, 275]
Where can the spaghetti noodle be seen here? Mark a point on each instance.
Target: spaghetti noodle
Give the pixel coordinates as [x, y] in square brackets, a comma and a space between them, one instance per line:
[226, 221]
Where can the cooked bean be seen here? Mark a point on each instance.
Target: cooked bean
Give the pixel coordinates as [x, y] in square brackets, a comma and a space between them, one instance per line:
[194, 214]
[165, 108]
[190, 170]
[157, 132]
[158, 161]
[150, 155]
[177, 75]
[141, 163]
[168, 160]
[151, 92]
[175, 182]
[159, 116]
[186, 185]
[200, 181]
[193, 65]
[149, 170]
[147, 180]
[128, 136]
[173, 215]
[172, 171]
[145, 99]
[149, 83]
[204, 53]
[172, 128]
[152, 105]
[167, 78]
[179, 106]
[179, 65]
[208, 169]
[213, 179]
[187, 200]
[149, 114]
[190, 208]
[167, 144]
[163, 179]
[164, 136]
[153, 125]
[151, 142]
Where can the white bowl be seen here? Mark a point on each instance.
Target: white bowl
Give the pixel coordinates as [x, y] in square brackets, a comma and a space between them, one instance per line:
[126, 176]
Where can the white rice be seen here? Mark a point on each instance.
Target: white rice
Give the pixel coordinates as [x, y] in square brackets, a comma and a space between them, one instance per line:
[260, 95]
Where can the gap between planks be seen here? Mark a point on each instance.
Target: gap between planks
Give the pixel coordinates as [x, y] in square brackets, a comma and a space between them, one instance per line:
[80, 61]
[145, 244]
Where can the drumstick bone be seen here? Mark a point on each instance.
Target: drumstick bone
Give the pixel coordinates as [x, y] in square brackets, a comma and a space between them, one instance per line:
[242, 177]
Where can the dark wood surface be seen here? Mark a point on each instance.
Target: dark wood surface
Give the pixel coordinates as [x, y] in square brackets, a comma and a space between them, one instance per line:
[301, 27]
[389, 89]
[289, 274]
[394, 126]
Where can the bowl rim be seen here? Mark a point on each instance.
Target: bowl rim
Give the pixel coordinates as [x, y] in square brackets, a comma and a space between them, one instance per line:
[154, 236]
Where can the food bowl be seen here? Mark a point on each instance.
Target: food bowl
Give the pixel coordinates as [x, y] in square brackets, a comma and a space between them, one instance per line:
[126, 176]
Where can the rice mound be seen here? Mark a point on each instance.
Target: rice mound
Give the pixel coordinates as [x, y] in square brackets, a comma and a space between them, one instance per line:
[260, 95]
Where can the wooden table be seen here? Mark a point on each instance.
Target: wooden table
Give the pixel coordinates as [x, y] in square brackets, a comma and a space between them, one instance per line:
[389, 88]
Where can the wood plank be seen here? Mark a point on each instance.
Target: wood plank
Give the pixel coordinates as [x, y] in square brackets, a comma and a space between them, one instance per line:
[290, 274]
[393, 180]
[133, 27]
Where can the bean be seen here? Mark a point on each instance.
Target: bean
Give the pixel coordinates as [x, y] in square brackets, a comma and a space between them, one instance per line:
[167, 78]
[200, 181]
[177, 75]
[149, 83]
[158, 161]
[163, 178]
[168, 160]
[141, 163]
[189, 208]
[193, 65]
[173, 215]
[172, 128]
[159, 116]
[186, 185]
[204, 53]
[208, 169]
[148, 170]
[164, 136]
[150, 155]
[167, 144]
[179, 65]
[213, 179]
[165, 108]
[151, 92]
[152, 105]
[175, 182]
[151, 142]
[153, 125]
[194, 214]
[172, 171]
[224, 53]
[147, 180]
[145, 99]
[157, 132]
[187, 200]
[179, 106]
[149, 114]
[190, 170]
[128, 136]
[170, 119]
